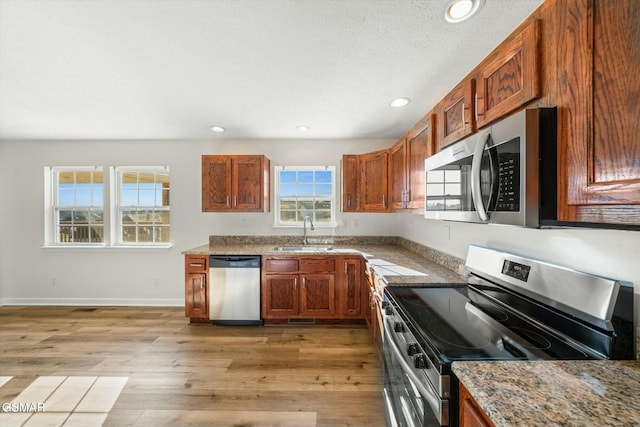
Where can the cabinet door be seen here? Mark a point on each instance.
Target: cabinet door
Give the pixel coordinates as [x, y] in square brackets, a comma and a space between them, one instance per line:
[350, 288]
[397, 175]
[456, 114]
[247, 183]
[419, 147]
[509, 77]
[216, 183]
[373, 181]
[318, 295]
[196, 301]
[350, 183]
[600, 90]
[471, 415]
[281, 296]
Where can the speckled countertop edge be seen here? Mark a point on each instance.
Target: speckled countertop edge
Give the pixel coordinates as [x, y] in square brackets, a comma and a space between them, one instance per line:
[438, 267]
[555, 393]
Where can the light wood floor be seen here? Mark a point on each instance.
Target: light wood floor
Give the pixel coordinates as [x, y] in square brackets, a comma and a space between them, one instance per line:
[182, 375]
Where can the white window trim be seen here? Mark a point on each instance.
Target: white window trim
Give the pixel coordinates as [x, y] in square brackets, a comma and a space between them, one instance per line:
[334, 201]
[114, 196]
[51, 202]
[109, 204]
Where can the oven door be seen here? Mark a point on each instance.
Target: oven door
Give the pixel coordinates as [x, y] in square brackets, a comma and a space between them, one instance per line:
[410, 401]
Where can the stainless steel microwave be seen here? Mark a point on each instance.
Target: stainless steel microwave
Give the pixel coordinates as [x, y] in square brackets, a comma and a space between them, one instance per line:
[504, 174]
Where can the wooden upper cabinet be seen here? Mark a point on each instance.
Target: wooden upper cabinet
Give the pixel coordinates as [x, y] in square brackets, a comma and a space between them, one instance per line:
[456, 114]
[406, 166]
[599, 88]
[398, 175]
[419, 142]
[235, 183]
[374, 181]
[509, 77]
[350, 183]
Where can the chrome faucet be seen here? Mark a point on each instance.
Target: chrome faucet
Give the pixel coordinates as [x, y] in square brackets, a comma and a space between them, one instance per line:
[304, 226]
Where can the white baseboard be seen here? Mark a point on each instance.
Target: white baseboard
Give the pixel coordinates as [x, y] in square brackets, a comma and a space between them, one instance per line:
[135, 302]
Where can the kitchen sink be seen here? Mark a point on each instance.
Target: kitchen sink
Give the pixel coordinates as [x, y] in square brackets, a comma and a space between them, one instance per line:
[304, 248]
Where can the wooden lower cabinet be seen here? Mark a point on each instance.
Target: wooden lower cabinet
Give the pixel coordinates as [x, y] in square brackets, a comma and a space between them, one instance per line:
[322, 287]
[471, 414]
[196, 293]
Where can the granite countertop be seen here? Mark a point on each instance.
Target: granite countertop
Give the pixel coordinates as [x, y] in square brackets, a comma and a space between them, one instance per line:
[555, 393]
[428, 272]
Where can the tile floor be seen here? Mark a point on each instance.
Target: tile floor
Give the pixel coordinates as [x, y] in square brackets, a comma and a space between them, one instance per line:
[60, 401]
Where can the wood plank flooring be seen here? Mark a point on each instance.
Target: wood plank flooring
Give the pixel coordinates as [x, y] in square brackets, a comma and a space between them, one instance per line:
[170, 373]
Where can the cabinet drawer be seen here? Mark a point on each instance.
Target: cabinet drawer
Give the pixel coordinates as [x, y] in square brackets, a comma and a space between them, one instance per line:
[196, 263]
[281, 265]
[317, 265]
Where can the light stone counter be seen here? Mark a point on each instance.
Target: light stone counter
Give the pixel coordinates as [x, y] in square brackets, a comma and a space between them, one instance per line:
[555, 393]
[440, 268]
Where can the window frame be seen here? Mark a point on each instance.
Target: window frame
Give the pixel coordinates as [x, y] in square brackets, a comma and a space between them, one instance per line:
[116, 209]
[53, 207]
[333, 223]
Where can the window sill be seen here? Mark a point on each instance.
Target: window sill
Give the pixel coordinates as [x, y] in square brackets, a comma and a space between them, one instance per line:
[300, 227]
[108, 248]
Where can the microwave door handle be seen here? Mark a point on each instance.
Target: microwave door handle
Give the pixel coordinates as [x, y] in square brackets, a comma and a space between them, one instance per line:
[476, 191]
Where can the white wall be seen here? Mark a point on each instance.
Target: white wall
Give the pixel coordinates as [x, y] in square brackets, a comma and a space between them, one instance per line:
[110, 276]
[609, 253]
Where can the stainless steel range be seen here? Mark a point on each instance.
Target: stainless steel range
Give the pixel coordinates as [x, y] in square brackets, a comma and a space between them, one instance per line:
[512, 308]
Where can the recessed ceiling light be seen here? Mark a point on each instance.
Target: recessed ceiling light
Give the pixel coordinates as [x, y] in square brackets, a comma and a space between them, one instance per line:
[216, 129]
[302, 128]
[399, 102]
[460, 10]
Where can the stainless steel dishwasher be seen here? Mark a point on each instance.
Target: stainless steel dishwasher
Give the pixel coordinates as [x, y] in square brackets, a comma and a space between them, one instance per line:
[234, 290]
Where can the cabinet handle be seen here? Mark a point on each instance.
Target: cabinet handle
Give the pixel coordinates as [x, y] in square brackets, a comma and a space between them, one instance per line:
[295, 283]
[407, 196]
[235, 201]
[349, 200]
[384, 201]
[478, 113]
[227, 200]
[193, 264]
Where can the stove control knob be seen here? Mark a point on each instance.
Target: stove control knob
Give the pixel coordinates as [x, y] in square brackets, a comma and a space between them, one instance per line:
[399, 327]
[412, 349]
[388, 310]
[420, 361]
[385, 304]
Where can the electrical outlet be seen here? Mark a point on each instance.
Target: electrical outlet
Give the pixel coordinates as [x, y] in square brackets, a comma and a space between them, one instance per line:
[156, 281]
[244, 223]
[354, 223]
[54, 281]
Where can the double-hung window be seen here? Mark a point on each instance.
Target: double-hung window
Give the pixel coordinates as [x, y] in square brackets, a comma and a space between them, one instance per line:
[77, 205]
[303, 191]
[122, 206]
[141, 205]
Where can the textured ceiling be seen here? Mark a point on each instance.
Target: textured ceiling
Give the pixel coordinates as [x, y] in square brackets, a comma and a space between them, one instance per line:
[169, 69]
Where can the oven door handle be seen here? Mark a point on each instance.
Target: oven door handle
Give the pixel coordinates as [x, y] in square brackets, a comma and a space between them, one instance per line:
[476, 190]
[429, 395]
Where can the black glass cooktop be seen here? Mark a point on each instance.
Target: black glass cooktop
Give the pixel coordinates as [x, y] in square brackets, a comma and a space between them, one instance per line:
[457, 327]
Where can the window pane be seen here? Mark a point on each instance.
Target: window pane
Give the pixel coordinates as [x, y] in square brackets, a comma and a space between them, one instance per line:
[162, 234]
[80, 217]
[287, 216]
[435, 176]
[323, 190]
[128, 234]
[305, 176]
[97, 197]
[83, 195]
[130, 178]
[147, 195]
[305, 205]
[97, 177]
[97, 217]
[66, 177]
[287, 190]
[323, 176]
[288, 176]
[81, 234]
[161, 217]
[323, 204]
[323, 216]
[84, 177]
[129, 216]
[305, 190]
[129, 197]
[97, 233]
[145, 234]
[66, 196]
